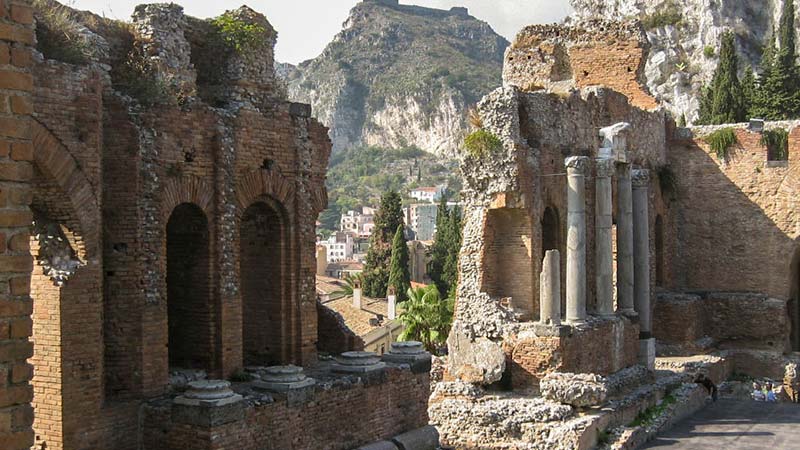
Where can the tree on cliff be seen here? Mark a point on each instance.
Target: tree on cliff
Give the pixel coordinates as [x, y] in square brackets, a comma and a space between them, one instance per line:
[722, 100]
[387, 219]
[399, 277]
[778, 97]
[443, 267]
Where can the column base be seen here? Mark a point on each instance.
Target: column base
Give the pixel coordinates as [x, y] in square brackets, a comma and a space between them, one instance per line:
[575, 322]
[647, 353]
[628, 313]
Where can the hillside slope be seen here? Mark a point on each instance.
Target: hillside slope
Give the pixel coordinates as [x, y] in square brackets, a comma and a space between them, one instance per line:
[400, 75]
[685, 35]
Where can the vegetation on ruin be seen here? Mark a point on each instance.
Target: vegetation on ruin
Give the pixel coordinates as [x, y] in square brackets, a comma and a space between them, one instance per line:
[443, 266]
[136, 77]
[399, 276]
[709, 52]
[358, 176]
[667, 14]
[649, 415]
[721, 141]
[58, 35]
[426, 318]
[722, 100]
[777, 143]
[388, 219]
[239, 35]
[481, 143]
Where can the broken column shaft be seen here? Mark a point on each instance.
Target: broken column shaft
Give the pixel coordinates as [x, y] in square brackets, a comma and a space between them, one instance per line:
[641, 249]
[576, 239]
[550, 289]
[604, 257]
[624, 240]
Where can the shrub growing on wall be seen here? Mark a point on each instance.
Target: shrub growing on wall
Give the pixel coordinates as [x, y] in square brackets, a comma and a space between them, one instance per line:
[777, 143]
[57, 35]
[721, 141]
[481, 143]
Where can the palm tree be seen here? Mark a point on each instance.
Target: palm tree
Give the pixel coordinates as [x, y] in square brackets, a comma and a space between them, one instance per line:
[351, 282]
[426, 317]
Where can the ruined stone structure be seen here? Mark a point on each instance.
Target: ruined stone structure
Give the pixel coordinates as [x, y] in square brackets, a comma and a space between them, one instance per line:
[172, 223]
[600, 234]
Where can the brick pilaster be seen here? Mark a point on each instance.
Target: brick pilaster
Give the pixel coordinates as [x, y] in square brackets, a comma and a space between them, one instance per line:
[16, 84]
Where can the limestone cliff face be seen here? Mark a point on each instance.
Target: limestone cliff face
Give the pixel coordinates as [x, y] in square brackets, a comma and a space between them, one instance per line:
[400, 75]
[680, 59]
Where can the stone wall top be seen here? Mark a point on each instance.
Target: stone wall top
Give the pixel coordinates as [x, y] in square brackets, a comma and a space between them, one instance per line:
[588, 31]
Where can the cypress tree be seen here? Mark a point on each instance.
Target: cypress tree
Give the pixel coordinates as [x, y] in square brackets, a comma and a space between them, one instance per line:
[787, 35]
[441, 245]
[777, 97]
[450, 269]
[722, 100]
[749, 91]
[399, 276]
[387, 219]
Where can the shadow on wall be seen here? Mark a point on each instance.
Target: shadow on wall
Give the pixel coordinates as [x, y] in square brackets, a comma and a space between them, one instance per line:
[736, 221]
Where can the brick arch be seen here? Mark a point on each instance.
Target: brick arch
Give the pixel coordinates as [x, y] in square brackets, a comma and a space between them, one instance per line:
[55, 161]
[262, 183]
[186, 189]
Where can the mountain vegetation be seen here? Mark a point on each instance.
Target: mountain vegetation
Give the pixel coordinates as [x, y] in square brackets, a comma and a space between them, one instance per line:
[400, 75]
[359, 176]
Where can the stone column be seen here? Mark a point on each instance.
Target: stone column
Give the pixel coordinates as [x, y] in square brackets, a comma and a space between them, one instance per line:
[641, 265]
[550, 289]
[641, 249]
[604, 257]
[624, 240]
[576, 239]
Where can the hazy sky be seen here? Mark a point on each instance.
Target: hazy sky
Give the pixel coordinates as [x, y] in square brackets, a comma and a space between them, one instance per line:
[306, 26]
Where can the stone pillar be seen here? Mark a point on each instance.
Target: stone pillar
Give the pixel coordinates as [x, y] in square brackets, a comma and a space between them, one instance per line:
[391, 307]
[357, 294]
[641, 265]
[576, 239]
[604, 257]
[641, 249]
[624, 240]
[550, 289]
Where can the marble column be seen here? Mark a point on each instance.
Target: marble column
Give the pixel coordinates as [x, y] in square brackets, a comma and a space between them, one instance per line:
[624, 240]
[550, 289]
[604, 256]
[641, 249]
[576, 239]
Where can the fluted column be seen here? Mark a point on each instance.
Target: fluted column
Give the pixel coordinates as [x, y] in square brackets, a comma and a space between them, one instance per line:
[640, 179]
[624, 240]
[576, 239]
[550, 289]
[604, 257]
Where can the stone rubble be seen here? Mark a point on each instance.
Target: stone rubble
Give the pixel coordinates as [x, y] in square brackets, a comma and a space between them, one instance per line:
[579, 390]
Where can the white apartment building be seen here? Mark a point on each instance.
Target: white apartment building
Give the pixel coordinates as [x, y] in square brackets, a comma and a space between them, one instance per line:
[338, 247]
[359, 224]
[428, 194]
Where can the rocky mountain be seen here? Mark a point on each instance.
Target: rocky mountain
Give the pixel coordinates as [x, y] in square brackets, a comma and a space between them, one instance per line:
[684, 36]
[400, 75]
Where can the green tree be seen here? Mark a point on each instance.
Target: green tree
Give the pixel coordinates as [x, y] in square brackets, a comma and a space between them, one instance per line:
[426, 318]
[443, 267]
[387, 219]
[778, 97]
[399, 277]
[722, 100]
[350, 282]
[749, 90]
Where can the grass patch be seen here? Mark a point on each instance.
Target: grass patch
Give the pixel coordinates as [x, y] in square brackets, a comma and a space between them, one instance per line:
[777, 143]
[137, 78]
[481, 143]
[603, 437]
[721, 141]
[667, 14]
[740, 377]
[57, 34]
[240, 376]
[649, 415]
[709, 52]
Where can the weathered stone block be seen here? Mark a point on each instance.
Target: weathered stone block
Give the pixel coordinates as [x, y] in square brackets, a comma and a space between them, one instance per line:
[480, 361]
[579, 390]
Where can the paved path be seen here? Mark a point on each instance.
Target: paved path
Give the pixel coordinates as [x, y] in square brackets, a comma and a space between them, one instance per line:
[736, 425]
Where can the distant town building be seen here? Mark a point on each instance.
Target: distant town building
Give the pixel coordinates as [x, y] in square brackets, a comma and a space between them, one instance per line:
[421, 219]
[418, 259]
[428, 194]
[342, 269]
[339, 247]
[360, 224]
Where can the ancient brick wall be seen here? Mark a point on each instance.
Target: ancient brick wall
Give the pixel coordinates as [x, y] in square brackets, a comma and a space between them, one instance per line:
[16, 152]
[376, 409]
[591, 53]
[333, 336]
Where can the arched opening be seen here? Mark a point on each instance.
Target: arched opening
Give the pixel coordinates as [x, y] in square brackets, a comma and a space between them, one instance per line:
[794, 298]
[551, 237]
[262, 250]
[507, 259]
[61, 287]
[190, 313]
[659, 251]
